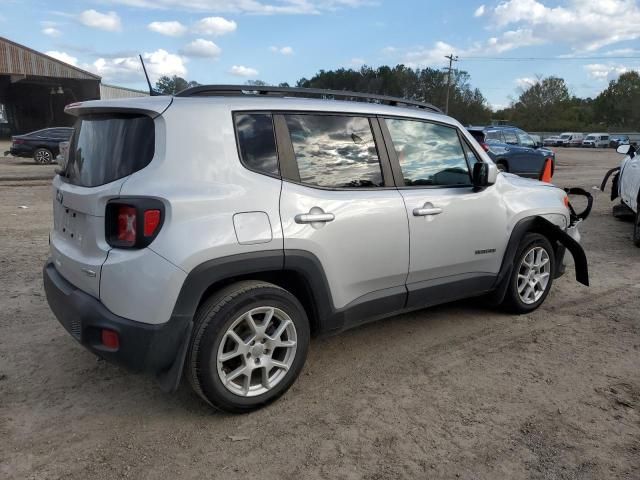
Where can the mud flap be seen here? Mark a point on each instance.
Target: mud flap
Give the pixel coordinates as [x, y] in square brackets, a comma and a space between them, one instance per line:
[552, 232]
[169, 380]
[614, 182]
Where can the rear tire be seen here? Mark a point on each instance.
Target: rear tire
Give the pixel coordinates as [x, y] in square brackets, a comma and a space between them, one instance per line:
[43, 156]
[249, 344]
[532, 275]
[502, 166]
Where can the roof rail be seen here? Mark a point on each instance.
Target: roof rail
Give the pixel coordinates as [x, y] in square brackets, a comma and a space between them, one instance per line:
[228, 90]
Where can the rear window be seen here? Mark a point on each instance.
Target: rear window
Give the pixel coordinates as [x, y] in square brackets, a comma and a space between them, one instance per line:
[107, 147]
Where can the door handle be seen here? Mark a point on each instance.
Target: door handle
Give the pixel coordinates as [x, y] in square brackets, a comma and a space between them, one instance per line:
[314, 217]
[426, 210]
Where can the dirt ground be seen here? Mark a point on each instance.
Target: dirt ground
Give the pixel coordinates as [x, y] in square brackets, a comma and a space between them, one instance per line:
[458, 391]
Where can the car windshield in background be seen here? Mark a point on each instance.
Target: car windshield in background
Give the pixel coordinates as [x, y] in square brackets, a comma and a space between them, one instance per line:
[108, 147]
[590, 137]
[564, 137]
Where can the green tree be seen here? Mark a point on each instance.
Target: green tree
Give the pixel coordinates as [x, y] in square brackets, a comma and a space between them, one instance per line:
[427, 85]
[619, 104]
[172, 85]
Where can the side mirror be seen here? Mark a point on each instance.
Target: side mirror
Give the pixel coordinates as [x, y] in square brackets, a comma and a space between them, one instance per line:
[623, 149]
[484, 174]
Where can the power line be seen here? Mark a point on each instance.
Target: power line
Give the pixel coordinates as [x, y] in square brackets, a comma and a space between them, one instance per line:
[528, 59]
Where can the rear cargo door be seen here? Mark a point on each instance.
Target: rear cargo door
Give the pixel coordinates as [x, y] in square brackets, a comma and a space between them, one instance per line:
[105, 149]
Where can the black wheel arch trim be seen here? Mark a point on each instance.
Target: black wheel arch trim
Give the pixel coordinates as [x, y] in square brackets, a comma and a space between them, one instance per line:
[560, 238]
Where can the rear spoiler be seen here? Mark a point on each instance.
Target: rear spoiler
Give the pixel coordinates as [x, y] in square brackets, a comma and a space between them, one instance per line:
[152, 106]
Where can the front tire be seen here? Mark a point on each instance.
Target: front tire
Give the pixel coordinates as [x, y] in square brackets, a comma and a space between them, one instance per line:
[502, 167]
[532, 275]
[249, 345]
[43, 156]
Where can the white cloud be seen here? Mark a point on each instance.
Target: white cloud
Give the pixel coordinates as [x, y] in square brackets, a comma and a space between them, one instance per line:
[63, 57]
[242, 71]
[525, 82]
[171, 29]
[202, 48]
[51, 32]
[389, 50]
[426, 56]
[128, 69]
[282, 50]
[357, 62]
[606, 72]
[215, 26]
[262, 7]
[583, 25]
[109, 21]
[479, 11]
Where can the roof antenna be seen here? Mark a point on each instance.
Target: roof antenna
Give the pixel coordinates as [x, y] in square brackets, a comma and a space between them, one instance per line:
[152, 92]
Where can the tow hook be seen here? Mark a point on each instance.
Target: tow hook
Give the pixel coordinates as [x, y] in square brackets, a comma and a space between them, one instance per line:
[578, 217]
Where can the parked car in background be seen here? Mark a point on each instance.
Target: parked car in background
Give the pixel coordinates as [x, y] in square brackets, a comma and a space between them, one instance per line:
[570, 139]
[551, 141]
[41, 145]
[514, 151]
[616, 140]
[626, 186]
[596, 140]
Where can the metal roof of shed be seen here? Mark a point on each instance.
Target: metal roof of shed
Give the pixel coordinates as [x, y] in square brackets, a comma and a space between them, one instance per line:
[16, 59]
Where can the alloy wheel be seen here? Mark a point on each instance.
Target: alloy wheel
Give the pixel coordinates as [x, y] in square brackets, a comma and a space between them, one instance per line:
[256, 351]
[533, 275]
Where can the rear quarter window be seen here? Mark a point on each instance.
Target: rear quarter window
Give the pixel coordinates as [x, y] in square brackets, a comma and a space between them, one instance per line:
[256, 142]
[108, 147]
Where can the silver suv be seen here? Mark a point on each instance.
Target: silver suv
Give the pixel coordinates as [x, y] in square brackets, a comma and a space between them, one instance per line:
[214, 232]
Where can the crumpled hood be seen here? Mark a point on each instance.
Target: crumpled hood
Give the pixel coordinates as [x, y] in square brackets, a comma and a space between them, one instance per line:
[521, 182]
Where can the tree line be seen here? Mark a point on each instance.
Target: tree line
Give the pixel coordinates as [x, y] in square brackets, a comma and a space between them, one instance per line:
[545, 105]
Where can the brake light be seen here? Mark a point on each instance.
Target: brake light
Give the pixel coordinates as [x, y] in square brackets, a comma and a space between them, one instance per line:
[566, 201]
[485, 146]
[547, 172]
[133, 222]
[151, 222]
[18, 141]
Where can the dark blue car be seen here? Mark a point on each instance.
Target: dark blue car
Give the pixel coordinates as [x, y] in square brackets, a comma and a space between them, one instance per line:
[514, 151]
[42, 145]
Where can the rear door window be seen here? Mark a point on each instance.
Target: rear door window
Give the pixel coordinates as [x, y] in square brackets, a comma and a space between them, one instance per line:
[494, 136]
[510, 137]
[107, 147]
[335, 151]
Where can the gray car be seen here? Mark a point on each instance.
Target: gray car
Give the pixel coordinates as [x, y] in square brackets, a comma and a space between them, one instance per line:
[224, 228]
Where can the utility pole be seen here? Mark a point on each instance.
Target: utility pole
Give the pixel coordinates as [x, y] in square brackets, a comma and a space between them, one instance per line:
[452, 58]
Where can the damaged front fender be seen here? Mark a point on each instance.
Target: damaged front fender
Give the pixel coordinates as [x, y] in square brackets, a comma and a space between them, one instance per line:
[556, 235]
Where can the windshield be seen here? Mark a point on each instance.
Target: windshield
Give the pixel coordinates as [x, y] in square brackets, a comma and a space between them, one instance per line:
[564, 136]
[591, 137]
[107, 147]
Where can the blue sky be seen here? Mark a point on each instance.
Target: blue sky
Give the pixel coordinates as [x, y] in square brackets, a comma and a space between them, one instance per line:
[587, 42]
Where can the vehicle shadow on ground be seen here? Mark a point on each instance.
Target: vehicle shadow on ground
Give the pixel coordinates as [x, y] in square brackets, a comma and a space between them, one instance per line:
[111, 387]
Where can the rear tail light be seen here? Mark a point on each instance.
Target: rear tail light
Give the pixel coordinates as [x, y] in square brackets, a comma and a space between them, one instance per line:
[547, 172]
[485, 146]
[133, 222]
[18, 141]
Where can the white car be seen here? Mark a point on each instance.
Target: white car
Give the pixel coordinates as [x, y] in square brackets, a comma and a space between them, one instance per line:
[596, 140]
[626, 186]
[213, 232]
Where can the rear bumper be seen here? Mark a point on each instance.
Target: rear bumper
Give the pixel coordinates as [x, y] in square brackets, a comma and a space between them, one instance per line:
[142, 347]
